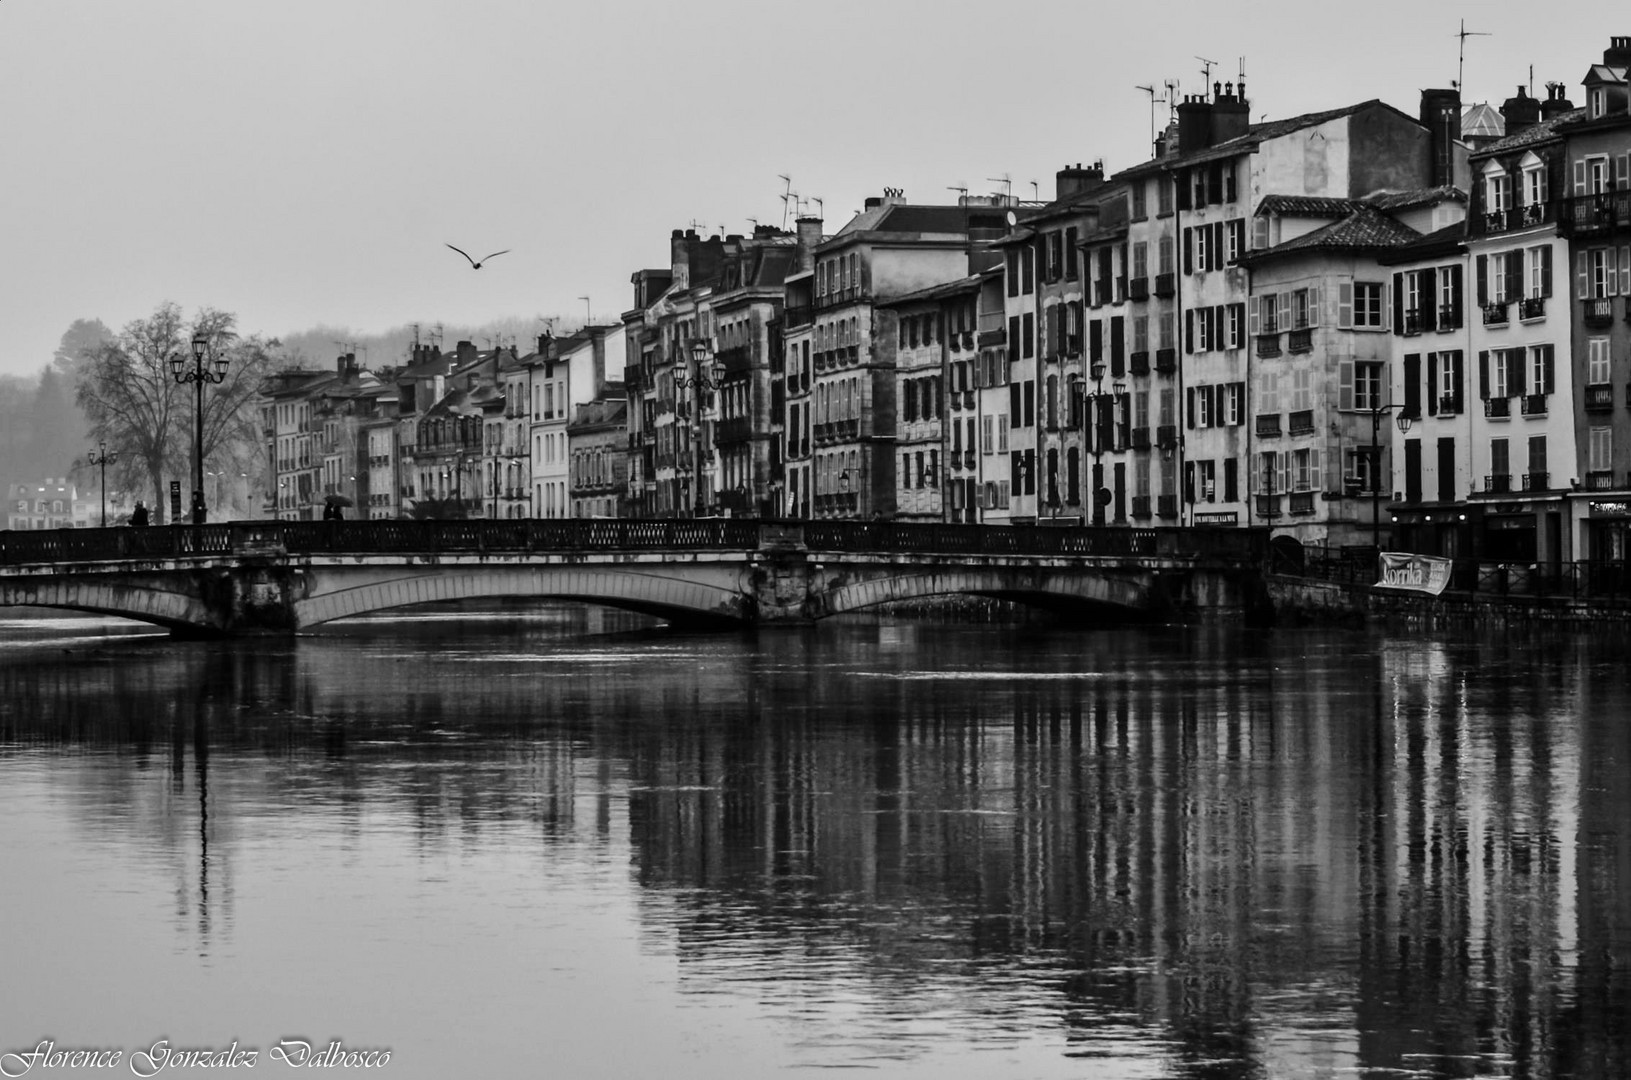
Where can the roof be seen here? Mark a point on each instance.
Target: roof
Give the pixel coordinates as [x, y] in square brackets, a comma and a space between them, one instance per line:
[907, 218]
[1365, 229]
[1255, 134]
[1306, 206]
[1389, 201]
[1482, 121]
[1544, 131]
[1609, 73]
[970, 284]
[1439, 242]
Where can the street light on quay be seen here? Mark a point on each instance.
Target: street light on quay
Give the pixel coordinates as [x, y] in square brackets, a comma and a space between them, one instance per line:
[102, 457]
[707, 377]
[1404, 420]
[1097, 395]
[199, 374]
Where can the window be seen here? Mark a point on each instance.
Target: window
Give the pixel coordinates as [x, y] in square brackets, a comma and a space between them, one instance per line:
[1236, 240]
[1540, 270]
[1269, 313]
[1597, 100]
[1201, 235]
[1164, 255]
[1534, 185]
[1412, 296]
[1302, 478]
[1299, 309]
[1163, 196]
[1167, 325]
[1209, 480]
[1141, 409]
[1368, 305]
[1141, 259]
[1169, 401]
[1139, 198]
[1601, 449]
[1234, 411]
[1302, 390]
[1234, 331]
[1497, 192]
[1597, 361]
[1203, 406]
[1540, 368]
[1597, 176]
[1600, 270]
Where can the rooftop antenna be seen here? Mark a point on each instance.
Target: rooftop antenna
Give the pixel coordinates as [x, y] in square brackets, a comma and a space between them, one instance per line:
[962, 192]
[787, 193]
[755, 223]
[415, 334]
[1007, 186]
[1036, 191]
[1150, 90]
[1206, 74]
[821, 207]
[1172, 97]
[1461, 56]
[439, 336]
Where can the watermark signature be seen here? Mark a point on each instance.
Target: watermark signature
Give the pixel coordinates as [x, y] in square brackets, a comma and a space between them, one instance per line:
[162, 1056]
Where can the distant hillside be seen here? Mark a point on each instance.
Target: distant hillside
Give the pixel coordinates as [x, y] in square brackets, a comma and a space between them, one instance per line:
[318, 346]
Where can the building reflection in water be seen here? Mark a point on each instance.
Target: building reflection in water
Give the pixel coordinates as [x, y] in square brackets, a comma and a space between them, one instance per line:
[1249, 855]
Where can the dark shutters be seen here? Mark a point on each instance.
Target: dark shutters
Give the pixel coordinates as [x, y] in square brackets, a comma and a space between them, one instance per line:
[1118, 346]
[1432, 383]
[1412, 384]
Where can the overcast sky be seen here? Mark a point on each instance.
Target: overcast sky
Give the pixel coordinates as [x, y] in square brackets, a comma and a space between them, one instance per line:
[303, 162]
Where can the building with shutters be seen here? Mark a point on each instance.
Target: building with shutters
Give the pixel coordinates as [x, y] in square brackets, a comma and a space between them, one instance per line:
[1195, 208]
[1521, 437]
[1594, 213]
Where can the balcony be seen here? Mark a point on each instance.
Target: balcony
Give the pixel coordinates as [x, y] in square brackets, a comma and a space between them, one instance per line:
[1532, 307]
[1497, 408]
[1412, 322]
[1300, 341]
[1535, 481]
[1302, 502]
[1101, 293]
[1141, 438]
[1141, 506]
[1534, 404]
[1268, 426]
[1599, 312]
[1302, 422]
[1600, 397]
[1449, 404]
[795, 317]
[1498, 483]
[1166, 361]
[1496, 314]
[1268, 345]
[1603, 210]
[1165, 285]
[1600, 481]
[1268, 506]
[1166, 506]
[1166, 436]
[1138, 363]
[1138, 288]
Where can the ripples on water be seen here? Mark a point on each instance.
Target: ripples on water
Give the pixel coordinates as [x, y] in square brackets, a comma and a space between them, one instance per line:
[509, 846]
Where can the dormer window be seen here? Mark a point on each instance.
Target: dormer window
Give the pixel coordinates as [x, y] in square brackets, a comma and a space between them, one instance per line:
[1534, 181]
[1597, 101]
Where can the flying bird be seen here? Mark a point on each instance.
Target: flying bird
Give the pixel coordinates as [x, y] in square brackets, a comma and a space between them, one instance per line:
[475, 265]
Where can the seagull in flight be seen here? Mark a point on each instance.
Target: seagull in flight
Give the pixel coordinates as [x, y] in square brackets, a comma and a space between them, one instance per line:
[475, 265]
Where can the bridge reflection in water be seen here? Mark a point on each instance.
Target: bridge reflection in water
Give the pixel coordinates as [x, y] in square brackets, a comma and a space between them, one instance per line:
[1197, 854]
[281, 577]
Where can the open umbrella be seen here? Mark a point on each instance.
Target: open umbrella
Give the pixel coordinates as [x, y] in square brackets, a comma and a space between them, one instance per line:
[336, 499]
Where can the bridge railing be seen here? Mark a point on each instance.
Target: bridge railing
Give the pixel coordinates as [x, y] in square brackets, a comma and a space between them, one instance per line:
[244, 538]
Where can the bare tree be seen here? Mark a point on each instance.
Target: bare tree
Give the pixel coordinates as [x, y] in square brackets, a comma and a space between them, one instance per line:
[136, 406]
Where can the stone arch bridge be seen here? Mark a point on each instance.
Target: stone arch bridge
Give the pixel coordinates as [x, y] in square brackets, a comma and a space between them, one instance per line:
[283, 577]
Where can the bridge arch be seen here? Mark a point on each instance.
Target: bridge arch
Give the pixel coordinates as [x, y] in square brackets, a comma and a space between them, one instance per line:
[1037, 587]
[149, 600]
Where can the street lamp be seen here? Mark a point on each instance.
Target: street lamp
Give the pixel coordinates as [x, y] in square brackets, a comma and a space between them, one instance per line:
[200, 374]
[102, 458]
[706, 377]
[1098, 395]
[1403, 421]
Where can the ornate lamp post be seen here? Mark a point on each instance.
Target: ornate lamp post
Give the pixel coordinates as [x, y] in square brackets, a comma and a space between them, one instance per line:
[101, 457]
[200, 374]
[706, 377]
[1376, 466]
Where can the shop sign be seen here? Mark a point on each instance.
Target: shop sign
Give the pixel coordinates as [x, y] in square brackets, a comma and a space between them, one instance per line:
[1616, 508]
[1418, 573]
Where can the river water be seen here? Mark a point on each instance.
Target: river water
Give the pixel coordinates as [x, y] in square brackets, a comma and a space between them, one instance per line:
[540, 845]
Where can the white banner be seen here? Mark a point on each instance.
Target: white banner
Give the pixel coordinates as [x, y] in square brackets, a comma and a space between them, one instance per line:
[1418, 573]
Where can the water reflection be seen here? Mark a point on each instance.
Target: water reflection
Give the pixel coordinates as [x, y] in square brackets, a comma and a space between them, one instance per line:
[1196, 854]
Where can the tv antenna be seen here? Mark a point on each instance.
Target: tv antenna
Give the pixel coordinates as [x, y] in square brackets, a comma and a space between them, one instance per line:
[1206, 74]
[1007, 186]
[962, 192]
[821, 207]
[787, 194]
[1461, 55]
[1036, 191]
[1150, 90]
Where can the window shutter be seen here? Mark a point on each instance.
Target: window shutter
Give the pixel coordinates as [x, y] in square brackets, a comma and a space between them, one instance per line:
[1456, 377]
[1580, 177]
[1582, 275]
[1483, 280]
[1622, 172]
[1612, 275]
[1412, 384]
[1260, 233]
[1216, 254]
[1229, 182]
[1189, 331]
[1345, 306]
[1398, 304]
[1314, 473]
[1189, 406]
[1345, 385]
[1546, 270]
[1432, 383]
[1313, 306]
[1546, 355]
[1428, 315]
[1189, 260]
[1625, 270]
[1483, 374]
[1516, 377]
[1013, 404]
[1285, 471]
[1251, 315]
[1455, 297]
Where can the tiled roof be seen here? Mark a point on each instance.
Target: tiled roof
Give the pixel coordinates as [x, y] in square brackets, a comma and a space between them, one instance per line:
[1534, 133]
[907, 218]
[1255, 134]
[1389, 201]
[1306, 206]
[1365, 229]
[1439, 242]
[934, 292]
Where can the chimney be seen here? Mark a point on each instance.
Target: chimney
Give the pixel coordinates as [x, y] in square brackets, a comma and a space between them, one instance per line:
[1073, 179]
[1555, 103]
[1441, 116]
[1618, 53]
[872, 203]
[809, 235]
[1231, 113]
[1194, 124]
[1520, 112]
[680, 264]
